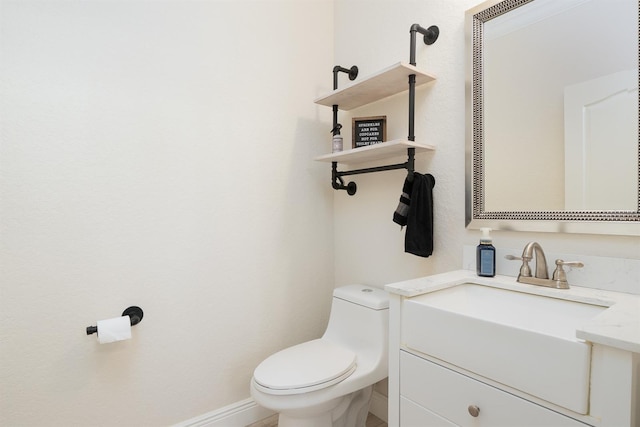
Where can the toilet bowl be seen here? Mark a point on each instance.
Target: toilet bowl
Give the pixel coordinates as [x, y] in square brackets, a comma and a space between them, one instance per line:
[328, 382]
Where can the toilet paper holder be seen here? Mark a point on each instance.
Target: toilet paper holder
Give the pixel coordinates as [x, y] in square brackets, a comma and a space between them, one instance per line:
[134, 313]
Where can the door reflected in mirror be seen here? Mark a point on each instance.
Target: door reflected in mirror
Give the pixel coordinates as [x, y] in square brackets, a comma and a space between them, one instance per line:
[552, 114]
[532, 57]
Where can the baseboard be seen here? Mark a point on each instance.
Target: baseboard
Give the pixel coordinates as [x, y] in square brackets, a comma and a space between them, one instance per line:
[239, 414]
[245, 412]
[379, 406]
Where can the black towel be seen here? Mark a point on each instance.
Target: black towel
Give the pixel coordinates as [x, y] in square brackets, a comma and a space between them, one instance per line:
[401, 212]
[418, 239]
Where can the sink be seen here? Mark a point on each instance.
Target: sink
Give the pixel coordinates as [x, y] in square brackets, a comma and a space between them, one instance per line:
[524, 341]
[550, 316]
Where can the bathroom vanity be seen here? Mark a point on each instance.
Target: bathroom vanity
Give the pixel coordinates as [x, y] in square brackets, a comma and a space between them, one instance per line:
[472, 351]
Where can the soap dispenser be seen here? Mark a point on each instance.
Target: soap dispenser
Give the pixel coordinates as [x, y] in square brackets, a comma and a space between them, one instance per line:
[485, 255]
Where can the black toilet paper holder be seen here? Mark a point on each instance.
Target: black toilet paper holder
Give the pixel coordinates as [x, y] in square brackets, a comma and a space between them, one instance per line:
[134, 313]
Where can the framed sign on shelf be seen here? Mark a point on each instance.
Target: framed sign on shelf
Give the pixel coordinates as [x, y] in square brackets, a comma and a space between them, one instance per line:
[368, 131]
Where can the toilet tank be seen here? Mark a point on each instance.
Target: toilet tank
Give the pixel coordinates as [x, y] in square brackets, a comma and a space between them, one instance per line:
[359, 318]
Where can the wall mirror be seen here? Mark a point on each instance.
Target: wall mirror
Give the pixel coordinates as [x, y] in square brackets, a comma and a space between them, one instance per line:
[552, 116]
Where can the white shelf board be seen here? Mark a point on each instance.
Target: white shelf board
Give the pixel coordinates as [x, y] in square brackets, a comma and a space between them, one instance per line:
[380, 151]
[390, 81]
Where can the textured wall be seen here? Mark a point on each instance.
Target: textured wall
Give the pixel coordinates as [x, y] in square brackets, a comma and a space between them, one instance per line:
[368, 245]
[375, 35]
[158, 154]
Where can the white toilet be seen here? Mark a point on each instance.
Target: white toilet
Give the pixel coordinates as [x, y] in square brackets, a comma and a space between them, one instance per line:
[329, 381]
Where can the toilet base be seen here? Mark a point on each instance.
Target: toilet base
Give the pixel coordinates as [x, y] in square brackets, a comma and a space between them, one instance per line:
[350, 411]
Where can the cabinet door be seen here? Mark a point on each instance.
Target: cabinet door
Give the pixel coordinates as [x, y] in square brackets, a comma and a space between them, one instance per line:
[455, 397]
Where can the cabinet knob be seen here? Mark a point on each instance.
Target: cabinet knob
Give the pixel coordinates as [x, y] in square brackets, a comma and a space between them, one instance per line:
[474, 411]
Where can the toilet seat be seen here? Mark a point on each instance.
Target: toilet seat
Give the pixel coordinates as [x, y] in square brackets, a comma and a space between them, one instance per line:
[303, 368]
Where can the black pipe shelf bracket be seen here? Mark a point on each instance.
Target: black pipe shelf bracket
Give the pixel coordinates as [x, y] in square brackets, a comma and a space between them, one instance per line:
[430, 35]
[352, 73]
[336, 181]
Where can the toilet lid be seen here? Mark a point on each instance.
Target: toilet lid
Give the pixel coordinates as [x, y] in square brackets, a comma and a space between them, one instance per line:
[305, 367]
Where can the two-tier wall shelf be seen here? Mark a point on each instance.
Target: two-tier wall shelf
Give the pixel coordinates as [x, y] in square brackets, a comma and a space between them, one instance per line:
[390, 81]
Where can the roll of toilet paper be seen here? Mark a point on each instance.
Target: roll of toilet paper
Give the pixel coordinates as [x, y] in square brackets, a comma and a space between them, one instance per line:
[112, 330]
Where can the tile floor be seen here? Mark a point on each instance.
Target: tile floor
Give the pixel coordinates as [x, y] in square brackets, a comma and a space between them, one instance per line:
[372, 421]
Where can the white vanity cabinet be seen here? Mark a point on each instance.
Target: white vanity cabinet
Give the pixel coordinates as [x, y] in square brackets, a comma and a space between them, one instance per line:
[426, 391]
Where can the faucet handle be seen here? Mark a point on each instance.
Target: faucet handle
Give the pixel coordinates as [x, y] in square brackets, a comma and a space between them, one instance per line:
[519, 258]
[525, 270]
[577, 264]
[560, 276]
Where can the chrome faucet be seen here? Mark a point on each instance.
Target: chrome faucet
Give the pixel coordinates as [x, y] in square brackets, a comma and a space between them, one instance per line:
[541, 277]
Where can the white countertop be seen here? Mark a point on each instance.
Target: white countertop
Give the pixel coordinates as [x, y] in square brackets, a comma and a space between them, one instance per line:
[618, 326]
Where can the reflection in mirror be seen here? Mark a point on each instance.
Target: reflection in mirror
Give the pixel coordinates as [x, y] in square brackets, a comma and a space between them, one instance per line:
[552, 115]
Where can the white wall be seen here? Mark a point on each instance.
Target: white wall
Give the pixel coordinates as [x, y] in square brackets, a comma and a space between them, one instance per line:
[140, 167]
[368, 245]
[159, 154]
[373, 35]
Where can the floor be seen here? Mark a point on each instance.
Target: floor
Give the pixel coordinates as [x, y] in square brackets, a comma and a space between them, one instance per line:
[372, 421]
